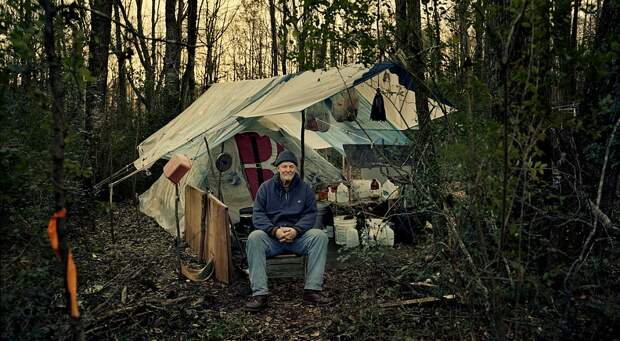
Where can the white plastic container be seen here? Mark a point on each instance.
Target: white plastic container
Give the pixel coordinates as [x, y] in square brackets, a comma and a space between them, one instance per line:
[331, 194]
[378, 233]
[352, 238]
[341, 225]
[329, 230]
[360, 189]
[371, 225]
[389, 191]
[384, 235]
[342, 193]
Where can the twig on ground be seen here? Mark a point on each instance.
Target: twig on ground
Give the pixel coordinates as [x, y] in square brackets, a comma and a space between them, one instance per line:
[417, 301]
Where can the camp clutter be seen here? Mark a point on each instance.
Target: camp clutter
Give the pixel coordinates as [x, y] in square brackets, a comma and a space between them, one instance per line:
[363, 190]
[247, 123]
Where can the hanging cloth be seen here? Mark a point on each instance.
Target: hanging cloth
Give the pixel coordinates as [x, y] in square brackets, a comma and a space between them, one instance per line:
[377, 113]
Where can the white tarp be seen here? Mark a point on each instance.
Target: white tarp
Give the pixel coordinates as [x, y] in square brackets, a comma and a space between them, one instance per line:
[399, 102]
[158, 201]
[211, 116]
[272, 106]
[218, 114]
[301, 91]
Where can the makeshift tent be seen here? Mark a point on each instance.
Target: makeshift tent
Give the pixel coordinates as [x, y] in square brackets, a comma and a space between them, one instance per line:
[239, 183]
[272, 108]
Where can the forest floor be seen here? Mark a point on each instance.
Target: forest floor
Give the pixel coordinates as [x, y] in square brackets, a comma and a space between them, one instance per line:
[129, 289]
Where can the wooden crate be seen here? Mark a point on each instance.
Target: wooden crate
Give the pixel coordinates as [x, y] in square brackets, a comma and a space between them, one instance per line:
[286, 266]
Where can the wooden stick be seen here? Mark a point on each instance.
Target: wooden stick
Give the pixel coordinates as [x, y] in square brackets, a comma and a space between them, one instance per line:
[423, 284]
[602, 217]
[417, 301]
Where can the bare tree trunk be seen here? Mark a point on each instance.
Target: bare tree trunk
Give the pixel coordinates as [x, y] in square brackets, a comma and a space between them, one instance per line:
[96, 91]
[189, 81]
[572, 69]
[274, 38]
[57, 89]
[147, 59]
[172, 62]
[303, 52]
[401, 22]
[561, 43]
[150, 80]
[437, 38]
[600, 84]
[410, 35]
[284, 41]
[122, 72]
[58, 106]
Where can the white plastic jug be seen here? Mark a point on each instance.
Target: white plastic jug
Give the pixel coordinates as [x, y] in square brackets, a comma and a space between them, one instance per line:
[384, 235]
[369, 233]
[378, 233]
[331, 194]
[342, 193]
[360, 189]
[389, 190]
[352, 238]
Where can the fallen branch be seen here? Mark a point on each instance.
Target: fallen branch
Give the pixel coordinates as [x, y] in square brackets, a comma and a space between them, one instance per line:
[417, 301]
[602, 217]
[451, 222]
[116, 322]
[423, 284]
[150, 303]
[594, 207]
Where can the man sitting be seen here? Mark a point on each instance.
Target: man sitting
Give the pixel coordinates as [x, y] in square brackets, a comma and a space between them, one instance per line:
[284, 213]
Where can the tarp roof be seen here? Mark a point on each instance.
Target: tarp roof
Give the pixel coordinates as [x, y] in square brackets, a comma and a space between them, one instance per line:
[229, 108]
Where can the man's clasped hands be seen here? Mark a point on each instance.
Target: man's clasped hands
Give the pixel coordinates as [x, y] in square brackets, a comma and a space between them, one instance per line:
[286, 234]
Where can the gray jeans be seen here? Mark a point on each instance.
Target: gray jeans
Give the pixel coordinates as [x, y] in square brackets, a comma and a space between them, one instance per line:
[260, 246]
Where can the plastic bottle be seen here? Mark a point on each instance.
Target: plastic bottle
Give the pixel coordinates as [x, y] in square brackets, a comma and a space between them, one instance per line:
[342, 193]
[389, 190]
[331, 193]
[352, 238]
[384, 235]
[329, 230]
[375, 189]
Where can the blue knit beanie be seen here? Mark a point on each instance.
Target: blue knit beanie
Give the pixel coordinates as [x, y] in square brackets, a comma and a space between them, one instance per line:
[286, 156]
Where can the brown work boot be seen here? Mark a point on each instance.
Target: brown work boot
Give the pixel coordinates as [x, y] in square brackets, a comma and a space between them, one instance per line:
[315, 297]
[257, 303]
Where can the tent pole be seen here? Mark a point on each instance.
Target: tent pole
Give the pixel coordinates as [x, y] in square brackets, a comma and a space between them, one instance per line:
[303, 143]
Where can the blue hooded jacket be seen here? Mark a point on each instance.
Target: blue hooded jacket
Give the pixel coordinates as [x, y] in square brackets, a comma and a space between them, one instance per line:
[275, 206]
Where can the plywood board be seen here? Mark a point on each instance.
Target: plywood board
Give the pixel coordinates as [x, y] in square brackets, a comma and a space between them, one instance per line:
[218, 239]
[195, 219]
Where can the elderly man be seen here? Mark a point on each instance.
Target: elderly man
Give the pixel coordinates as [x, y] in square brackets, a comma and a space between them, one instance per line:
[284, 213]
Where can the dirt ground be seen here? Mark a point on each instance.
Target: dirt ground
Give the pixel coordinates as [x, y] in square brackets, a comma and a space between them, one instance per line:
[129, 290]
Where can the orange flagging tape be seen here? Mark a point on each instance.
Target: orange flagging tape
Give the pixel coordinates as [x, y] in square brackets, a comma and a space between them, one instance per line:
[72, 285]
[52, 231]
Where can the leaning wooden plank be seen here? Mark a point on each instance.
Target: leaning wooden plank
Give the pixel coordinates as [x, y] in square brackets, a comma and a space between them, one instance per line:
[417, 301]
[194, 203]
[218, 242]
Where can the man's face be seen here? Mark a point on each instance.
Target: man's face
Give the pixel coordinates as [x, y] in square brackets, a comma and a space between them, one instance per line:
[287, 170]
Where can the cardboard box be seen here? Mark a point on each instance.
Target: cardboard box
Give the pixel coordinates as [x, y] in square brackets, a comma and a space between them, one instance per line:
[177, 167]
